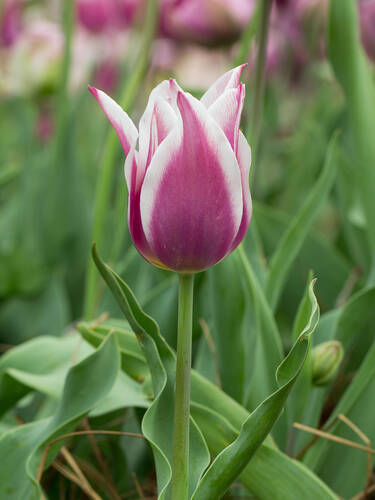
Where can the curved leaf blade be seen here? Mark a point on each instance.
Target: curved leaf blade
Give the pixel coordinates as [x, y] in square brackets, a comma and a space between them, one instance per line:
[233, 459]
[156, 424]
[295, 235]
[87, 383]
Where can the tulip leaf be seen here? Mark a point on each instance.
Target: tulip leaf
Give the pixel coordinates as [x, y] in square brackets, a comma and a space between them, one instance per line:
[330, 267]
[156, 424]
[229, 464]
[270, 473]
[353, 72]
[358, 405]
[26, 357]
[353, 325]
[224, 309]
[21, 449]
[294, 237]
[268, 350]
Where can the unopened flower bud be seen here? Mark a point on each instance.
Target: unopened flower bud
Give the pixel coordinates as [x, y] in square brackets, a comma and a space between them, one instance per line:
[326, 359]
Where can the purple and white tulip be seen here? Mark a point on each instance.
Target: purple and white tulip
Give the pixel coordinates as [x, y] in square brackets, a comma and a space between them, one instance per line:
[189, 198]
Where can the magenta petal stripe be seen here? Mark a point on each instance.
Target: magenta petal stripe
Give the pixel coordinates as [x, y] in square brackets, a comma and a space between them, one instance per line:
[125, 128]
[229, 80]
[191, 198]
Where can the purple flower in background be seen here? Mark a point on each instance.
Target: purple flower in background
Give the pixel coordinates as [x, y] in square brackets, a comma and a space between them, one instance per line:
[10, 22]
[367, 20]
[96, 15]
[100, 15]
[189, 198]
[205, 21]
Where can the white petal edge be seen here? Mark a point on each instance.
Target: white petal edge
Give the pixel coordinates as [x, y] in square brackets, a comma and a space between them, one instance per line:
[125, 128]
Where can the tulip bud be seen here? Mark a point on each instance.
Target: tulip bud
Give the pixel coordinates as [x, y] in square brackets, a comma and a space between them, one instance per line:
[326, 359]
[189, 198]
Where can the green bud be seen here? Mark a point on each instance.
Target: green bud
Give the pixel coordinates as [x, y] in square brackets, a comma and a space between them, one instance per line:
[326, 359]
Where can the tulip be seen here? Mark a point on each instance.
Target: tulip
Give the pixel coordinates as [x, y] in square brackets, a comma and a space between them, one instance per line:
[10, 22]
[189, 199]
[205, 21]
[101, 15]
[95, 15]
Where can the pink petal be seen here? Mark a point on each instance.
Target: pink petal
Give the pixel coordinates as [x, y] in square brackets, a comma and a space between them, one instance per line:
[244, 161]
[191, 198]
[226, 111]
[163, 119]
[134, 180]
[163, 98]
[121, 122]
[229, 80]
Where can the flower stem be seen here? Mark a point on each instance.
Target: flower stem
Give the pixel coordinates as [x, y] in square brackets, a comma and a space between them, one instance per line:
[180, 468]
[257, 102]
[105, 181]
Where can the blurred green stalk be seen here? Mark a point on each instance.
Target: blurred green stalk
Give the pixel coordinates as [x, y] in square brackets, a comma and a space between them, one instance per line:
[256, 111]
[247, 37]
[106, 174]
[180, 467]
[63, 109]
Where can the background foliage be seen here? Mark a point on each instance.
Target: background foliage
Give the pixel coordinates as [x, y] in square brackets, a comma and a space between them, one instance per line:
[71, 361]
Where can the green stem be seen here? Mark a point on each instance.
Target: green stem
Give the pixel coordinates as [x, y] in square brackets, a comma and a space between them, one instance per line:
[180, 468]
[62, 109]
[257, 102]
[247, 37]
[105, 181]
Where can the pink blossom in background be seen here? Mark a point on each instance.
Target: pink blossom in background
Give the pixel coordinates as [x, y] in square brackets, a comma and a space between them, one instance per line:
[96, 15]
[31, 64]
[106, 75]
[367, 21]
[10, 22]
[189, 198]
[205, 21]
[102, 15]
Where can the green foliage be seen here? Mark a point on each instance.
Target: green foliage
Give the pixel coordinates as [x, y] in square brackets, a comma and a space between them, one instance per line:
[156, 424]
[21, 449]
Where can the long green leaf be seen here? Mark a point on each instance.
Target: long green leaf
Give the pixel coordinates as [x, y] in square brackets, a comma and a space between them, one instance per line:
[269, 352]
[156, 424]
[270, 473]
[233, 459]
[354, 75]
[298, 229]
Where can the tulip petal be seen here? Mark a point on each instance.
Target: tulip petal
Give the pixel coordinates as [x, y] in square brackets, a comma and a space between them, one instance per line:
[163, 119]
[134, 179]
[229, 80]
[226, 111]
[191, 199]
[121, 122]
[160, 108]
[244, 161]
